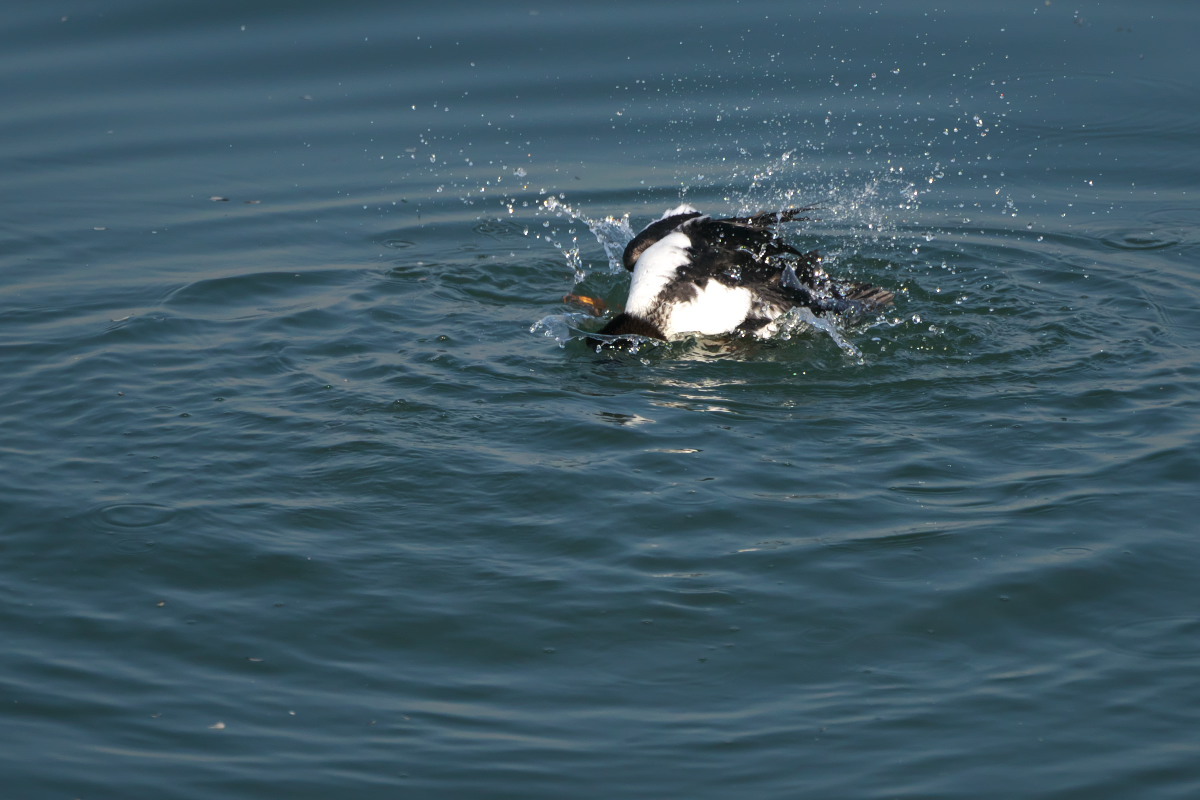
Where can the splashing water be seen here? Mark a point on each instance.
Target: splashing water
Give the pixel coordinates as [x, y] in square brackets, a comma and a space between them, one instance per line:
[562, 328]
[800, 319]
[611, 232]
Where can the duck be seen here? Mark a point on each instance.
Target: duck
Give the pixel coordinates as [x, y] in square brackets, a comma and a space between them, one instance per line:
[696, 274]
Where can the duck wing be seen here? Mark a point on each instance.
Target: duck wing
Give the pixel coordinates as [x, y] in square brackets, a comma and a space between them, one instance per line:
[824, 295]
[765, 219]
[751, 232]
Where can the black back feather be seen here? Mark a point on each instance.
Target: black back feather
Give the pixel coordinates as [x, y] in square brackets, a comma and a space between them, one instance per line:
[753, 232]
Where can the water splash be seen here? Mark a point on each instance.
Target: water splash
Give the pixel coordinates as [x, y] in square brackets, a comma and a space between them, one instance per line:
[562, 328]
[800, 319]
[613, 233]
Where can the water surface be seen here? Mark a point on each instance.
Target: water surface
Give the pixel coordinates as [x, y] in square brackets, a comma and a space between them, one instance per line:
[311, 487]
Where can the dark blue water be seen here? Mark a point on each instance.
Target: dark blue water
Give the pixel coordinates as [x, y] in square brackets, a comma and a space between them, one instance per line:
[311, 488]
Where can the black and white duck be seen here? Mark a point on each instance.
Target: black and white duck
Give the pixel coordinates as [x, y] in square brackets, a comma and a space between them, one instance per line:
[693, 274]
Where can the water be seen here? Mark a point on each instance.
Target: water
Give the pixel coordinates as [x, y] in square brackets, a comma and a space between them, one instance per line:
[299, 498]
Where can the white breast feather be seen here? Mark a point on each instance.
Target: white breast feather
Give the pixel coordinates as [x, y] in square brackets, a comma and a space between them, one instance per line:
[716, 309]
